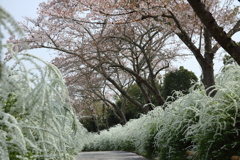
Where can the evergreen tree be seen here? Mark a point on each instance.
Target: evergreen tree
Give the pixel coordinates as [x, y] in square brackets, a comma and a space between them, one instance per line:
[178, 80]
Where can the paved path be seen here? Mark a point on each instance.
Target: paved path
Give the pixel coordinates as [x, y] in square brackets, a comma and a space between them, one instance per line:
[109, 155]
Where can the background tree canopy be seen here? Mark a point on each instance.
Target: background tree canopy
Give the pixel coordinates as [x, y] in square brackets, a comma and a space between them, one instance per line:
[179, 80]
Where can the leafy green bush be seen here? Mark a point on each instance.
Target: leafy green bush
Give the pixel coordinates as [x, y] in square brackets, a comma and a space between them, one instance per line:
[178, 80]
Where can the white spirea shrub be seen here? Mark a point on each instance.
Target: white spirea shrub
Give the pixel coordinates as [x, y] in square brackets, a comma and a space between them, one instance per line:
[36, 118]
[137, 135]
[216, 133]
[207, 126]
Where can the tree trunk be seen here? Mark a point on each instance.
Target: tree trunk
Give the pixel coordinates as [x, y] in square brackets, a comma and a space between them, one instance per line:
[117, 115]
[207, 65]
[123, 117]
[152, 80]
[105, 120]
[120, 116]
[96, 123]
[145, 95]
[208, 79]
[122, 91]
[205, 62]
[215, 30]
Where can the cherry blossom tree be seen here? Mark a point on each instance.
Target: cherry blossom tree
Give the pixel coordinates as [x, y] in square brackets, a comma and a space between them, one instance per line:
[105, 45]
[145, 51]
[199, 40]
[186, 25]
[123, 54]
[198, 37]
[61, 20]
[89, 89]
[136, 51]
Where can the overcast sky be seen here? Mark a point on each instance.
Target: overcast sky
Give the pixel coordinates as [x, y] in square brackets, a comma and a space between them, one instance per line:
[25, 8]
[20, 8]
[28, 8]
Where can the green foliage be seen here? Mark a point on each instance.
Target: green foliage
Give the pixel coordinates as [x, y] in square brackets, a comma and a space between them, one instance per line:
[9, 103]
[131, 110]
[228, 60]
[89, 124]
[179, 80]
[111, 118]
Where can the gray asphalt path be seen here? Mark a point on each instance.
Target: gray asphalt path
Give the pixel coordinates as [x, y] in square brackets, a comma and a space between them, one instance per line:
[109, 155]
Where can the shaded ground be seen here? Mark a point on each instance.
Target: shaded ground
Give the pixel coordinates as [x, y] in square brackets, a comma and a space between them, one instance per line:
[109, 155]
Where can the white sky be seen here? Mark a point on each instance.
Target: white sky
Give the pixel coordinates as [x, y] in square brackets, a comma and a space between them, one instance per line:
[25, 8]
[28, 8]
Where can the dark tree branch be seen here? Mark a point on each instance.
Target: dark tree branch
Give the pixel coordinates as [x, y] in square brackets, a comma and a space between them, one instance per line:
[186, 39]
[215, 30]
